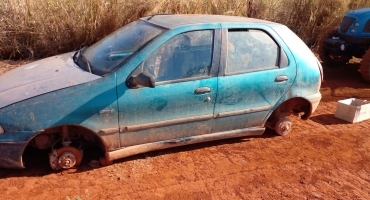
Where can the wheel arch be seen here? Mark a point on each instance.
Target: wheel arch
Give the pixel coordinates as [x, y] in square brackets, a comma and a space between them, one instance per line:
[46, 138]
[298, 106]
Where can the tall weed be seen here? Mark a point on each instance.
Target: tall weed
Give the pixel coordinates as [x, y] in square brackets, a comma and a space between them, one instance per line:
[37, 29]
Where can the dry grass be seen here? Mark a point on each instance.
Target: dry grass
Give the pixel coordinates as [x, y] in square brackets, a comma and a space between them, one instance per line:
[41, 28]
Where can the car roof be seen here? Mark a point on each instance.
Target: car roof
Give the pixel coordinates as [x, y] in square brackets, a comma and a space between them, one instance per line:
[172, 21]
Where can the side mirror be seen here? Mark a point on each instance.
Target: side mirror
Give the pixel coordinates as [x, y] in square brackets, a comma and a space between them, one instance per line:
[144, 79]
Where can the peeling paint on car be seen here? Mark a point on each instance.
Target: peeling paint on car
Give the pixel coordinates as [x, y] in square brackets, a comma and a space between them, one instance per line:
[32, 116]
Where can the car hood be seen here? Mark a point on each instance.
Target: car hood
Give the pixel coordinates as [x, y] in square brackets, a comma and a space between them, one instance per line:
[41, 77]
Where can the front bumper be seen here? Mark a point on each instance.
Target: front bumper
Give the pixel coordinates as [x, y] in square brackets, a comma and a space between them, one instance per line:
[336, 46]
[341, 46]
[12, 146]
[11, 154]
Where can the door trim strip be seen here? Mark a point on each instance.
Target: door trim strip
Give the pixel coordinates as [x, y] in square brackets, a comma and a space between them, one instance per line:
[134, 128]
[241, 112]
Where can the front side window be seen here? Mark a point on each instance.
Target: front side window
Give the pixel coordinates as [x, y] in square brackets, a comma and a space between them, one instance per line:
[114, 49]
[251, 50]
[186, 55]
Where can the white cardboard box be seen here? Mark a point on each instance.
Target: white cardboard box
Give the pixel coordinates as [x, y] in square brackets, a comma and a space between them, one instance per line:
[353, 110]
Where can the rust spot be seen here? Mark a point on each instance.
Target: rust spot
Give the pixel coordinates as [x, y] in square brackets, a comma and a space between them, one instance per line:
[32, 116]
[111, 142]
[245, 58]
[72, 82]
[230, 47]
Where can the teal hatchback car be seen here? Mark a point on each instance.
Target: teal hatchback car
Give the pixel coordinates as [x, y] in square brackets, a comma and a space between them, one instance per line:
[159, 82]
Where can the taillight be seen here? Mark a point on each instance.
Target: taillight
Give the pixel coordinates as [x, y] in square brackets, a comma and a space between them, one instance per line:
[321, 70]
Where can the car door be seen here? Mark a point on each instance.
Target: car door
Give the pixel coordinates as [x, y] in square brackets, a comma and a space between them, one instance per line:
[256, 74]
[182, 102]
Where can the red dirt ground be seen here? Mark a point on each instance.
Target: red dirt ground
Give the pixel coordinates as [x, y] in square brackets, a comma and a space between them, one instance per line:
[322, 158]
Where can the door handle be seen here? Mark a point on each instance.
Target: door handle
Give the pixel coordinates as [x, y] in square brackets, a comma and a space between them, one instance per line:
[202, 90]
[281, 78]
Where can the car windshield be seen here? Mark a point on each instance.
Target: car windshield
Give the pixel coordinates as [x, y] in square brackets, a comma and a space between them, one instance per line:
[105, 55]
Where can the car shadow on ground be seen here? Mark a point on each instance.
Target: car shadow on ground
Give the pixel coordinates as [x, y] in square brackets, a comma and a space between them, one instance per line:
[343, 82]
[328, 119]
[267, 134]
[37, 161]
[344, 76]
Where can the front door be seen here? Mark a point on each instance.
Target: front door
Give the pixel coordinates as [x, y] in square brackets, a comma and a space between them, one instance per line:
[182, 102]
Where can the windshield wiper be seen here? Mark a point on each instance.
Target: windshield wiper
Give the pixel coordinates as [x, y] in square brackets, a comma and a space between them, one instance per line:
[76, 56]
[88, 64]
[82, 62]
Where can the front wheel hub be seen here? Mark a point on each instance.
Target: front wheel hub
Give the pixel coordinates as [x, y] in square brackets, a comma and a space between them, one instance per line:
[65, 158]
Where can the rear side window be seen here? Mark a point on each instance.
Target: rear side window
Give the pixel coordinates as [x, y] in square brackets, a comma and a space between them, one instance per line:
[251, 50]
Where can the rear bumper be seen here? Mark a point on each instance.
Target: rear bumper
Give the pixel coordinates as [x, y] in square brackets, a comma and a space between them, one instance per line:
[11, 154]
[314, 100]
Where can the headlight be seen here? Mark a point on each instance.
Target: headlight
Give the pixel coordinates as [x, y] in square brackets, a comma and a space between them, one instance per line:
[352, 30]
[357, 24]
[1, 129]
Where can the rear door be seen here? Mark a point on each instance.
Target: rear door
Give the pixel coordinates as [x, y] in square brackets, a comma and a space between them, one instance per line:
[255, 75]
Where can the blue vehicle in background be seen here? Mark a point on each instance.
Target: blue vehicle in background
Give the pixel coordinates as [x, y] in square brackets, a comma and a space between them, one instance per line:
[351, 39]
[159, 82]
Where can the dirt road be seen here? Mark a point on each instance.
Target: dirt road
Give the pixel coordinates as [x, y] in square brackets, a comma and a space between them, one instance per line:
[322, 158]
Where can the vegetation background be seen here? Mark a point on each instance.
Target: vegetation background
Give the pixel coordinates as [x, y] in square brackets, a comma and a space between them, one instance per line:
[31, 29]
